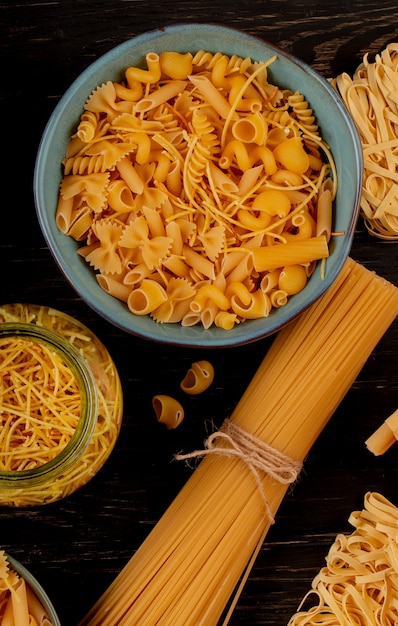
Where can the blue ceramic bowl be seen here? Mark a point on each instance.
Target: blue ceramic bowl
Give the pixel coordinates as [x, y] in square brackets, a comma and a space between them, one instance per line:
[36, 588]
[335, 124]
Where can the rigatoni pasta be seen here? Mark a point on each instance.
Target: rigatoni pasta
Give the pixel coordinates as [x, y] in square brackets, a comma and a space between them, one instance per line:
[185, 166]
[385, 436]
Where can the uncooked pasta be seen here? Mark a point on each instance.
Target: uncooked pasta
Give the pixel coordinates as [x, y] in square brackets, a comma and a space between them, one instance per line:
[42, 400]
[385, 436]
[370, 96]
[187, 569]
[40, 404]
[179, 174]
[19, 606]
[359, 583]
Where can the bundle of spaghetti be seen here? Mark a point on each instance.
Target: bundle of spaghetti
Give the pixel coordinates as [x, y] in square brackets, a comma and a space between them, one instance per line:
[359, 584]
[187, 569]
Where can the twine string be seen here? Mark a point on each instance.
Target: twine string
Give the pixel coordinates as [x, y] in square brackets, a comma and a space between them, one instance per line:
[258, 456]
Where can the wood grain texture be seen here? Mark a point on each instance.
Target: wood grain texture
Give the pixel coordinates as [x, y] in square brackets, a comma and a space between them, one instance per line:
[77, 546]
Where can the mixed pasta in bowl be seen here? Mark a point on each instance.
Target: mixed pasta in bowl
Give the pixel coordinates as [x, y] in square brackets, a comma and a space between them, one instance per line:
[23, 600]
[197, 196]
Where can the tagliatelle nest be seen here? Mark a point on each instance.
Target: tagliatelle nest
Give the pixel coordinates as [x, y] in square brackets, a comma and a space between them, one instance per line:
[371, 97]
[359, 584]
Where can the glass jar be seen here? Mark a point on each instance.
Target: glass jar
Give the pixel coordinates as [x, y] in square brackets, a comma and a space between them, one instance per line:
[60, 404]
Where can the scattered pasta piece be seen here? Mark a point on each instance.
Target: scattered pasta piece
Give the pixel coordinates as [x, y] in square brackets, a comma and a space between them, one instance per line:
[384, 437]
[198, 378]
[168, 411]
[358, 585]
[19, 606]
[187, 169]
[371, 97]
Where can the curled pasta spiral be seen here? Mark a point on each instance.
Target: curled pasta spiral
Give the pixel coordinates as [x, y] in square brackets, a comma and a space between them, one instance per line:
[231, 64]
[203, 148]
[88, 125]
[302, 112]
[85, 164]
[280, 118]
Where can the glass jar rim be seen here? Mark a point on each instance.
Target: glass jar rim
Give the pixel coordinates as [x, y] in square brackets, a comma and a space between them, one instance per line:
[89, 404]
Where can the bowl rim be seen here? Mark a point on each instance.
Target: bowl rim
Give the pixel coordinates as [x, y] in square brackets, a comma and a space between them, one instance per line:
[155, 331]
[36, 587]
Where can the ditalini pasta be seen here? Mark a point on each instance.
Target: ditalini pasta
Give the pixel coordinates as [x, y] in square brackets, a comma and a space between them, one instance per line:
[19, 606]
[370, 96]
[186, 166]
[186, 570]
[359, 583]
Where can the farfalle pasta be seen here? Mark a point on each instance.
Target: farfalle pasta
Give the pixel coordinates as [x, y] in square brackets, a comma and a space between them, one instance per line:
[191, 176]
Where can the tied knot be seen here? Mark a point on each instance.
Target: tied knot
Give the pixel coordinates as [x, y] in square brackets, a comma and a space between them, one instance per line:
[234, 442]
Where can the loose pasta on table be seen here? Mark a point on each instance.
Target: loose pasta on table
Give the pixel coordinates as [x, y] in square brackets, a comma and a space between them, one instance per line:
[184, 174]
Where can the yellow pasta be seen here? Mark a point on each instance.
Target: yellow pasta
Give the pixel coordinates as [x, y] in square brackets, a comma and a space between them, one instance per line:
[384, 437]
[358, 584]
[198, 378]
[149, 76]
[187, 569]
[251, 129]
[292, 279]
[191, 168]
[298, 252]
[40, 404]
[160, 96]
[39, 398]
[258, 307]
[147, 298]
[168, 410]
[210, 292]
[19, 606]
[370, 96]
[176, 65]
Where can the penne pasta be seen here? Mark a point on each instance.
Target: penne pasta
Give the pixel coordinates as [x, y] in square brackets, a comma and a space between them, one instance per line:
[160, 96]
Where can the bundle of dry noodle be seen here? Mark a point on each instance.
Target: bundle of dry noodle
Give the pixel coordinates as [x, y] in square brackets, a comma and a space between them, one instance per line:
[187, 569]
[371, 98]
[359, 584]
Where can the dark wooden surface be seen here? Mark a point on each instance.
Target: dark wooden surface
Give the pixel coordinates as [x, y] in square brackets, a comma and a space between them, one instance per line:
[77, 546]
